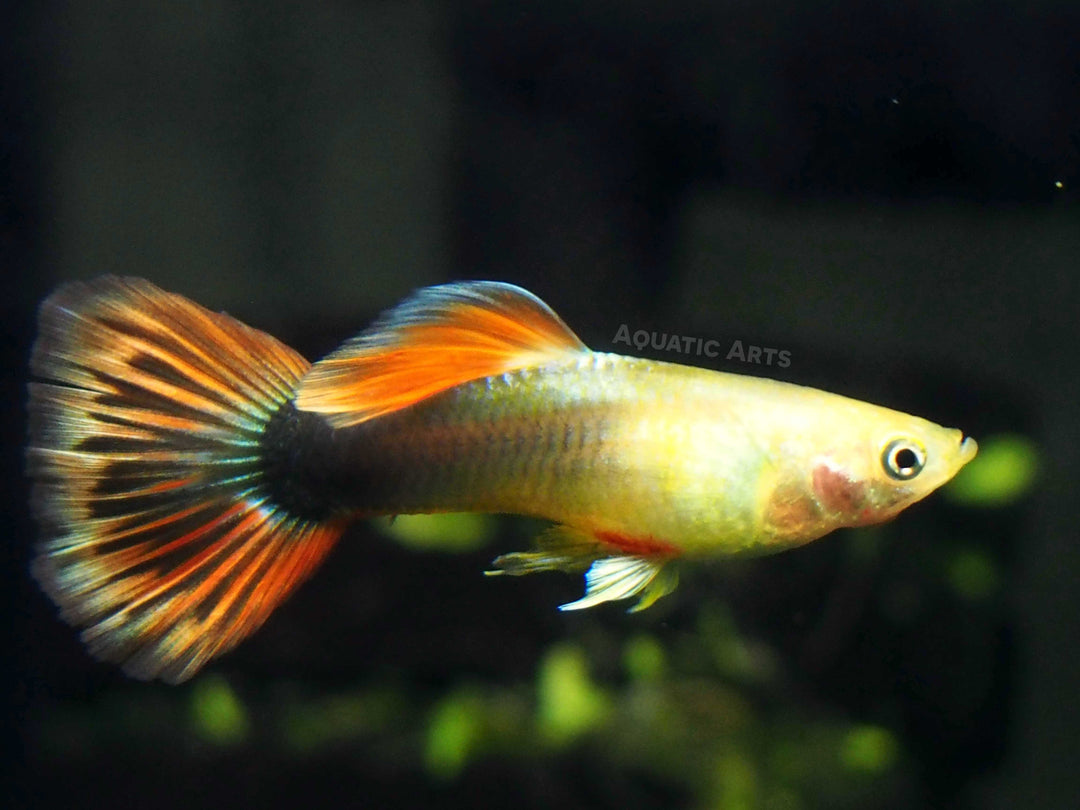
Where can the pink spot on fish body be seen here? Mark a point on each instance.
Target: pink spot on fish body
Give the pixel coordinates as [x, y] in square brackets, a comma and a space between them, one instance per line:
[838, 492]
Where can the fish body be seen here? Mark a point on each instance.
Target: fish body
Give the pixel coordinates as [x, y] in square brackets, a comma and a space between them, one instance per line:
[190, 471]
[698, 462]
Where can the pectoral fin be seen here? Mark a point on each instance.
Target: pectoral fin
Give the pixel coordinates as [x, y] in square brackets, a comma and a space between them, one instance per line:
[560, 548]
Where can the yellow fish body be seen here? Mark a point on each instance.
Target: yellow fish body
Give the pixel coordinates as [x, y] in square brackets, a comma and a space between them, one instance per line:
[190, 471]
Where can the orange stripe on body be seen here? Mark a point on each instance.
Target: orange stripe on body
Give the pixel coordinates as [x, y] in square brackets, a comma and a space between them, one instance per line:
[639, 546]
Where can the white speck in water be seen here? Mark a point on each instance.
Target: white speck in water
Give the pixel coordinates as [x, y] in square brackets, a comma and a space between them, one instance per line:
[1058, 184]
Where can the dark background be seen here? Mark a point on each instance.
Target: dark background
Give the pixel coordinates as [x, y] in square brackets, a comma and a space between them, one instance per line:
[887, 191]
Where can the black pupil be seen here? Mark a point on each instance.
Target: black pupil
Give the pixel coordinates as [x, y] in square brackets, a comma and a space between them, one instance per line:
[905, 459]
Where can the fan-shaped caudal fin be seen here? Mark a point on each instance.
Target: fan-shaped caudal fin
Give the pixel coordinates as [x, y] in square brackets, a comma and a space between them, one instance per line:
[145, 426]
[441, 337]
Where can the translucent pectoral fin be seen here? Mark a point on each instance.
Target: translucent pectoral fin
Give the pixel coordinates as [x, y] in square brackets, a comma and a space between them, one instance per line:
[560, 548]
[612, 578]
[520, 563]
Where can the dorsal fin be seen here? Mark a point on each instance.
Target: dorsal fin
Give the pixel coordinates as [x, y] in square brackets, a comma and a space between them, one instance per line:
[440, 337]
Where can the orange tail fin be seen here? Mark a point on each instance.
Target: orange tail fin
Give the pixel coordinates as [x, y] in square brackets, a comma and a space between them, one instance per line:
[160, 539]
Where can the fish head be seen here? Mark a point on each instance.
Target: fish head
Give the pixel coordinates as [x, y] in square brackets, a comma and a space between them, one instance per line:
[865, 469]
[887, 472]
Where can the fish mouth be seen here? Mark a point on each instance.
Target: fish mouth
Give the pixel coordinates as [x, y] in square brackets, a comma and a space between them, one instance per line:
[968, 448]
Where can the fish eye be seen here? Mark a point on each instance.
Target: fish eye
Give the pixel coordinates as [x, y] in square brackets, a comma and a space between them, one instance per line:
[903, 459]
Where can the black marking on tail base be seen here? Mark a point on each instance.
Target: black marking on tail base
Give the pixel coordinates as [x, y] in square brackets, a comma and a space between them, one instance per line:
[295, 451]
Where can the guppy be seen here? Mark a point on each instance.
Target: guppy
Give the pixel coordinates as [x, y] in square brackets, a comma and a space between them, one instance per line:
[189, 471]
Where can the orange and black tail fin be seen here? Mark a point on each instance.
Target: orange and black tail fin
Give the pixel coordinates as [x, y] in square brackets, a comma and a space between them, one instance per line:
[160, 538]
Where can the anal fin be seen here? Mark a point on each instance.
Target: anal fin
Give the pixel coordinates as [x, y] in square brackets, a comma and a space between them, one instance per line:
[610, 579]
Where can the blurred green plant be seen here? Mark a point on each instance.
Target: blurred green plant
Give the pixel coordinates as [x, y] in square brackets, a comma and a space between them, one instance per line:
[569, 704]
[736, 782]
[644, 659]
[1004, 471]
[678, 719]
[455, 532]
[973, 574]
[308, 724]
[869, 749]
[218, 715]
[454, 729]
[734, 656]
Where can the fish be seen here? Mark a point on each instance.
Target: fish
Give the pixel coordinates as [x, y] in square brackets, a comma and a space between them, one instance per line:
[189, 471]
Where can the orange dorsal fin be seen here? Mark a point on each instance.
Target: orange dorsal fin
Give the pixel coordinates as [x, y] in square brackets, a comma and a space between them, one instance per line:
[439, 338]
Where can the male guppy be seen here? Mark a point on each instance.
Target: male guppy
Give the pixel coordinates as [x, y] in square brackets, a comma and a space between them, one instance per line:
[190, 471]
